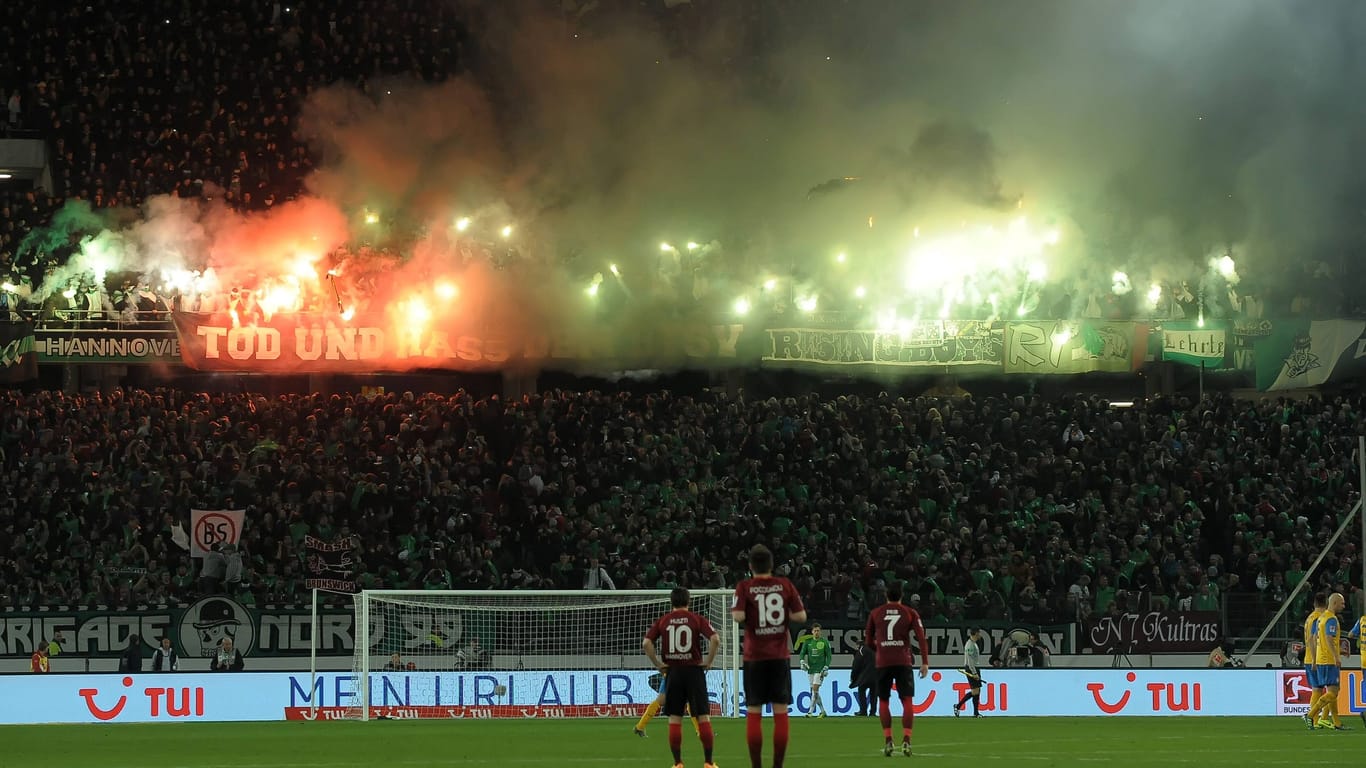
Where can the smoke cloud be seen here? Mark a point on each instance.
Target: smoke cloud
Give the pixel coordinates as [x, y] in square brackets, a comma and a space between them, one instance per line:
[736, 149]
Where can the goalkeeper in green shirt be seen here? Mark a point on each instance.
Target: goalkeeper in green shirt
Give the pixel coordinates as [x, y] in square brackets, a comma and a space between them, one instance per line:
[815, 656]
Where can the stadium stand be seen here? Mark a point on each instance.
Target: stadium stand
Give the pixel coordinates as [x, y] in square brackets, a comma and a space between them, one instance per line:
[992, 509]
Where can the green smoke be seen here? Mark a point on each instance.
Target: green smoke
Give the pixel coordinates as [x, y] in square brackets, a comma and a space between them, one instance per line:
[71, 222]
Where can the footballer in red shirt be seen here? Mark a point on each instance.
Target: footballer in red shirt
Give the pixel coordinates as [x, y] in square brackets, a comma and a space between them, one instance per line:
[766, 604]
[674, 646]
[889, 635]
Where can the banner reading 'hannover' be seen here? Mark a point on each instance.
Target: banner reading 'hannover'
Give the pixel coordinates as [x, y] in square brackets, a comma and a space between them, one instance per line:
[316, 343]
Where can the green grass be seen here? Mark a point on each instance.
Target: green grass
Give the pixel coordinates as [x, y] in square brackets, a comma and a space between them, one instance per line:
[1204, 742]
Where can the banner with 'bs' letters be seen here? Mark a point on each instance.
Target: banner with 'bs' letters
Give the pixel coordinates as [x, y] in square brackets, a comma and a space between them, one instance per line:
[1153, 632]
[210, 527]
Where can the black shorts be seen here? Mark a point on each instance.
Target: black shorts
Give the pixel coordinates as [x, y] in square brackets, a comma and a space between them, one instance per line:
[768, 682]
[686, 688]
[901, 675]
[974, 678]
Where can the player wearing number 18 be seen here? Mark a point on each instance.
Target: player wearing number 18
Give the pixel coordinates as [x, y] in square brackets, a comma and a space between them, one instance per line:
[889, 633]
[764, 604]
[674, 646]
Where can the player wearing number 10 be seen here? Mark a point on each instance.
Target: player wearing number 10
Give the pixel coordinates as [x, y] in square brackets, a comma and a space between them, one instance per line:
[764, 604]
[679, 634]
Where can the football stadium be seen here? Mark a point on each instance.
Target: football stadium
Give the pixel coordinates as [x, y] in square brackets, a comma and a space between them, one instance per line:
[681, 382]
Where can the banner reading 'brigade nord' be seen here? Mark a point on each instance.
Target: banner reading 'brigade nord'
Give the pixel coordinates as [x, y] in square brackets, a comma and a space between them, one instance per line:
[315, 343]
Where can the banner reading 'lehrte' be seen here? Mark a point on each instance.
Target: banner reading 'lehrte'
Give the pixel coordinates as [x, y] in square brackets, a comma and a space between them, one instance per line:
[315, 343]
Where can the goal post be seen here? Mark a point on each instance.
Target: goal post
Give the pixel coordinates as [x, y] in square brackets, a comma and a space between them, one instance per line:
[522, 653]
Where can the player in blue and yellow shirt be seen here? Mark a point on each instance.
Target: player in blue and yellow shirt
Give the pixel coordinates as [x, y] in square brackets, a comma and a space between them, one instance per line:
[1310, 651]
[1328, 659]
[1359, 633]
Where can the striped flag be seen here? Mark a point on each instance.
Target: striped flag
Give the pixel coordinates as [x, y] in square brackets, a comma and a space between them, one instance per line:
[18, 361]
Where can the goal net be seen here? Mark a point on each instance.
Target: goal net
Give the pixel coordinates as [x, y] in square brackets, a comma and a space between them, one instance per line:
[521, 654]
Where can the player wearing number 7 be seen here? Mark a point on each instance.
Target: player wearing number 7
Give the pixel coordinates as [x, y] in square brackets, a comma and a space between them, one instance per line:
[679, 634]
[889, 634]
[764, 604]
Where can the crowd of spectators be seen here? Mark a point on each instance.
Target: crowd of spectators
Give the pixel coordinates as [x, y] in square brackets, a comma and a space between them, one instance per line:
[197, 98]
[176, 97]
[1034, 510]
[1019, 508]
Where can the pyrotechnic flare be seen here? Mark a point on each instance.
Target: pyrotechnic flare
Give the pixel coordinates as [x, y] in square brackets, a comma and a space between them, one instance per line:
[1225, 266]
[807, 303]
[462, 223]
[742, 306]
[1154, 295]
[507, 232]
[445, 290]
[418, 314]
[1119, 283]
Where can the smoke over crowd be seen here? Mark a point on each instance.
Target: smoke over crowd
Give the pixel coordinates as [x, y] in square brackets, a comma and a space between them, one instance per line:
[920, 158]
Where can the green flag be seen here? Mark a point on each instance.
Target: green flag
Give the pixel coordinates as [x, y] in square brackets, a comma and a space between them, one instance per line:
[1196, 343]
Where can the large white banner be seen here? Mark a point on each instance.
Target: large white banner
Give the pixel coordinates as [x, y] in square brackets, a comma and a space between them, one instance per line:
[613, 693]
[216, 526]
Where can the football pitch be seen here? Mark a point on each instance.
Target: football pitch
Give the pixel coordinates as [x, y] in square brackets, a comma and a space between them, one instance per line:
[1206, 742]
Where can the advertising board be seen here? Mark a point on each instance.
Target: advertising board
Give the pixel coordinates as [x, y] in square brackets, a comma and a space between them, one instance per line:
[269, 696]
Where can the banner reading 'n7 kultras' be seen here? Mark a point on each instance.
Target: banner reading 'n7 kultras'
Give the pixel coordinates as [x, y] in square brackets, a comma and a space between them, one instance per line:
[327, 343]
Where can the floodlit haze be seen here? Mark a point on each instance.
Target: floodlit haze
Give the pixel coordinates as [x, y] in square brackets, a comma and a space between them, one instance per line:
[968, 151]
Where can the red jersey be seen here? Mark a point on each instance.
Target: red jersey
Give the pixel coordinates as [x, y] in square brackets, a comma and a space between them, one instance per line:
[889, 633]
[678, 637]
[767, 602]
[39, 663]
